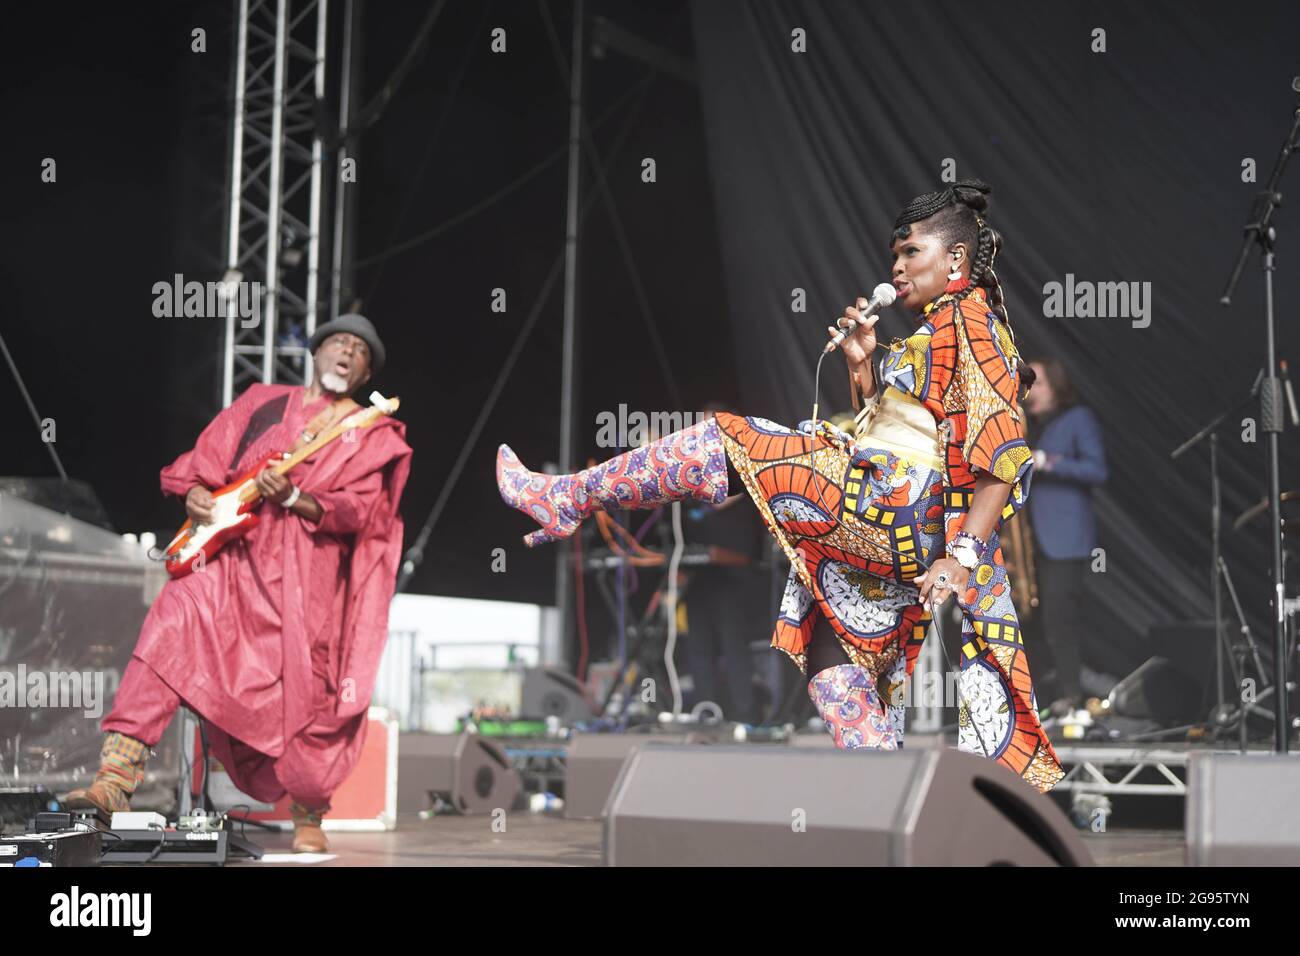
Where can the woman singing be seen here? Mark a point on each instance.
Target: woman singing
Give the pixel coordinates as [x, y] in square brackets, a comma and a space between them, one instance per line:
[883, 527]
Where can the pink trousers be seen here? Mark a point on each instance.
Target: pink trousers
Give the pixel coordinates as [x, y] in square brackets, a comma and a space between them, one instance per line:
[145, 705]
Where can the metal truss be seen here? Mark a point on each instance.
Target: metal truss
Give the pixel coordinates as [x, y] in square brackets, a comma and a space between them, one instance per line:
[274, 217]
[1117, 769]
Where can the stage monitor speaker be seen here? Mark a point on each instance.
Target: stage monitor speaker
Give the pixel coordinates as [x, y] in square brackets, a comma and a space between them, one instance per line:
[787, 806]
[1241, 809]
[470, 772]
[548, 692]
[592, 763]
[819, 739]
[1158, 690]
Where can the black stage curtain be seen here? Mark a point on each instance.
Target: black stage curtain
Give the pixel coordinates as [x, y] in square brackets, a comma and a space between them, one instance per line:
[1124, 165]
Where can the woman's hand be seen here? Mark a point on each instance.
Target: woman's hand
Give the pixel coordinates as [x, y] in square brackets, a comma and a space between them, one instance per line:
[198, 504]
[857, 348]
[933, 592]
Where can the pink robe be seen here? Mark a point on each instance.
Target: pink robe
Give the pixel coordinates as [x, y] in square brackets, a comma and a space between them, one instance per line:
[276, 643]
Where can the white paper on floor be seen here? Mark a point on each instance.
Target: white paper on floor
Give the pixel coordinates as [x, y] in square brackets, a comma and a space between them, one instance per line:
[297, 857]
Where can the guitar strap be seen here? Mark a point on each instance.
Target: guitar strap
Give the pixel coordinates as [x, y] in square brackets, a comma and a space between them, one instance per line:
[328, 416]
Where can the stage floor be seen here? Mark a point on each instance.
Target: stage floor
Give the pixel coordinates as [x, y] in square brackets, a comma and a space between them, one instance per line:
[553, 841]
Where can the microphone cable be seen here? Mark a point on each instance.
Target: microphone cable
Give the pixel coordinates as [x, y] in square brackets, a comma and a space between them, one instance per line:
[934, 616]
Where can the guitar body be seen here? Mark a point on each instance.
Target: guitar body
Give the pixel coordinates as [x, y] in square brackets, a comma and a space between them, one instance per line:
[232, 517]
[233, 504]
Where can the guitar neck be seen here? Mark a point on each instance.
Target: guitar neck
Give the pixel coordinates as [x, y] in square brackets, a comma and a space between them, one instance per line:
[361, 418]
[306, 451]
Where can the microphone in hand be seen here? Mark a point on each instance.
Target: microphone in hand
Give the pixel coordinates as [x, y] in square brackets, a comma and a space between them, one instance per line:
[881, 297]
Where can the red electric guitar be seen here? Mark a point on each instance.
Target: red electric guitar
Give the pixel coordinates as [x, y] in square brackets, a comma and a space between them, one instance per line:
[232, 505]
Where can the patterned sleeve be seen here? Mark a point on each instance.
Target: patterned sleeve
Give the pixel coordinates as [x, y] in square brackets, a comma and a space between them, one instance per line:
[988, 381]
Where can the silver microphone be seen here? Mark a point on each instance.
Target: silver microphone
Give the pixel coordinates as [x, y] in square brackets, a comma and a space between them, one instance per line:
[882, 296]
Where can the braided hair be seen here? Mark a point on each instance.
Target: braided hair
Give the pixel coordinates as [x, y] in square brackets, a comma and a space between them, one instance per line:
[954, 215]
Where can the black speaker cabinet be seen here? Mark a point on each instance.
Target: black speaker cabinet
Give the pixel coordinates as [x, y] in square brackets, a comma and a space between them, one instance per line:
[806, 806]
[1241, 809]
[592, 763]
[548, 692]
[470, 772]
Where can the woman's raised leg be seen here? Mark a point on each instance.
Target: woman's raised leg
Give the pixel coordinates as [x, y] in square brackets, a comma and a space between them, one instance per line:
[690, 463]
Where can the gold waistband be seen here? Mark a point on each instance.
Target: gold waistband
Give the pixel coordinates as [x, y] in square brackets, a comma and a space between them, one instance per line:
[899, 422]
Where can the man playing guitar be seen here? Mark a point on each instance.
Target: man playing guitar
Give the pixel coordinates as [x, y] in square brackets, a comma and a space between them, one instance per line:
[275, 638]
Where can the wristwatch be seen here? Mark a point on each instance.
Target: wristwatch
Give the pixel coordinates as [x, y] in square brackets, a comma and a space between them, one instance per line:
[965, 554]
[966, 549]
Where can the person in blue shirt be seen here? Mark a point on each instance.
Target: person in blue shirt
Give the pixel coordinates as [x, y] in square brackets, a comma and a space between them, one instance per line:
[1069, 461]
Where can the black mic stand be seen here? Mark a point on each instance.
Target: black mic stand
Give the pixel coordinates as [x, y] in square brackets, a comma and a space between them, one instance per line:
[1260, 232]
[1219, 717]
[1249, 646]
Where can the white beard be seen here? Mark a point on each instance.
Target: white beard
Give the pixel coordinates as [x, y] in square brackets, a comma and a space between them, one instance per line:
[333, 382]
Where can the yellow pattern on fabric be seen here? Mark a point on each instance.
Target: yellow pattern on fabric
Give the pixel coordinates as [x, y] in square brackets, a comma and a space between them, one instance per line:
[912, 353]
[1043, 773]
[1005, 656]
[972, 390]
[995, 631]
[1005, 342]
[1007, 465]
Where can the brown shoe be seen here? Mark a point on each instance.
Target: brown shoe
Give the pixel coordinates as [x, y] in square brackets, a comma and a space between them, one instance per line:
[121, 768]
[308, 837]
[102, 794]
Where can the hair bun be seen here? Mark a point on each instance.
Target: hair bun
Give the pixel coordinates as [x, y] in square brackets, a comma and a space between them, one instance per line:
[973, 193]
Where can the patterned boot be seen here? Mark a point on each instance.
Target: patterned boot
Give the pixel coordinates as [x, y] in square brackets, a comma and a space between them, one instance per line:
[848, 702]
[121, 768]
[687, 464]
[308, 837]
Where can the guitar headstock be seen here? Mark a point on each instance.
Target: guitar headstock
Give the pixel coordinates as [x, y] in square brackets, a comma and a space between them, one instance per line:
[366, 416]
[386, 406]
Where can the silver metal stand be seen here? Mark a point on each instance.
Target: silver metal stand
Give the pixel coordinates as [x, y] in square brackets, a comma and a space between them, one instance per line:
[276, 194]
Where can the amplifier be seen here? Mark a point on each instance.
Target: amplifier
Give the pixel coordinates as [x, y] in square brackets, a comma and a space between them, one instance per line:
[64, 848]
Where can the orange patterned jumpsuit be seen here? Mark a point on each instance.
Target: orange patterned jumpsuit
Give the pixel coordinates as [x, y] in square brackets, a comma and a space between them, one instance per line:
[858, 522]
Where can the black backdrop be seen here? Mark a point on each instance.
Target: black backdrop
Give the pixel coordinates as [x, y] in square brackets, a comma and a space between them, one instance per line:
[1124, 165]
[776, 170]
